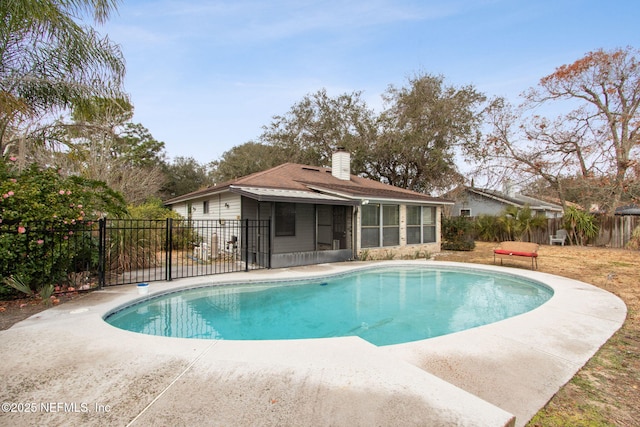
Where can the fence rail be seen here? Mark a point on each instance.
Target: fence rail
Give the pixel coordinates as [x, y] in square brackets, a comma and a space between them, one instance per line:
[85, 255]
[51, 252]
[613, 231]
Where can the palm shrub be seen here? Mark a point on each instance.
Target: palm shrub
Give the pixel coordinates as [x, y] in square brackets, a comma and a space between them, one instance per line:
[580, 225]
[136, 241]
[488, 228]
[516, 223]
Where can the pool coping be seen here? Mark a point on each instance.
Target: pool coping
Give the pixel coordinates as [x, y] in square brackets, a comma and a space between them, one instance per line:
[482, 376]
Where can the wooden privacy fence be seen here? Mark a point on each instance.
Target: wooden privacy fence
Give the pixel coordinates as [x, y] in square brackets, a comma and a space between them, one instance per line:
[614, 231]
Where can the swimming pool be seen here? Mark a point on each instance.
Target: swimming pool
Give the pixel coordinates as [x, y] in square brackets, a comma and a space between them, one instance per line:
[381, 305]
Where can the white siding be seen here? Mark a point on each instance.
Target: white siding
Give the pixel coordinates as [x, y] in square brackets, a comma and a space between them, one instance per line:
[221, 206]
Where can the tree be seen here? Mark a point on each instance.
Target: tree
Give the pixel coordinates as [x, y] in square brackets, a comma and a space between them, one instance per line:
[597, 140]
[103, 145]
[523, 149]
[317, 126]
[49, 62]
[608, 83]
[411, 144]
[246, 159]
[420, 130]
[185, 175]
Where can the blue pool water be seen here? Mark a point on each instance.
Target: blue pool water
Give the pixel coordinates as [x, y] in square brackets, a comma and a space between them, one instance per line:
[383, 306]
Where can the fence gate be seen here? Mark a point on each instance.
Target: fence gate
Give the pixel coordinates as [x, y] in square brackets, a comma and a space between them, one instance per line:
[136, 251]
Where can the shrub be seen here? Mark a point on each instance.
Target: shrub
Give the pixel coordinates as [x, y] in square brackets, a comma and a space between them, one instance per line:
[634, 242]
[46, 223]
[516, 223]
[581, 226]
[487, 228]
[456, 234]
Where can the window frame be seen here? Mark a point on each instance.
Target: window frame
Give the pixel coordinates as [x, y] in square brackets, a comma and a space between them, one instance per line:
[390, 227]
[370, 227]
[285, 219]
[427, 228]
[381, 227]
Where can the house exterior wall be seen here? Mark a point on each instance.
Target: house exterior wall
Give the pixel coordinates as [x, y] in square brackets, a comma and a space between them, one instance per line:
[304, 248]
[477, 205]
[402, 250]
[215, 236]
[219, 206]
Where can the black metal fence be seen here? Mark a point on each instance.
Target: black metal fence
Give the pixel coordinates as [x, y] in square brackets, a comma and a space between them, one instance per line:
[65, 254]
[85, 255]
[149, 250]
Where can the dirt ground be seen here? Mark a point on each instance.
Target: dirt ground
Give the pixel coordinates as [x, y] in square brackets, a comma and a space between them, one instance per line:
[606, 392]
[13, 311]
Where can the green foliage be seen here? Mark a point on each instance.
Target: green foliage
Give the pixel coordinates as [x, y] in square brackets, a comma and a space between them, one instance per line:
[581, 226]
[312, 130]
[153, 208]
[184, 175]
[487, 228]
[456, 234]
[419, 130]
[46, 223]
[134, 244]
[18, 283]
[135, 241]
[245, 159]
[411, 144]
[48, 61]
[516, 223]
[38, 194]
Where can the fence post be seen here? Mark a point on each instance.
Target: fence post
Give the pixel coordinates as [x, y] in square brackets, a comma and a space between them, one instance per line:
[245, 243]
[102, 253]
[269, 242]
[169, 248]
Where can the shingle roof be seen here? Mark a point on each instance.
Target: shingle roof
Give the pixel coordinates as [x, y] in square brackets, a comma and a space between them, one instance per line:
[516, 199]
[312, 179]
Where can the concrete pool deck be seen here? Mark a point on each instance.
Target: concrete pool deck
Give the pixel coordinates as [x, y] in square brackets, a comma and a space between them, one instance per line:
[66, 366]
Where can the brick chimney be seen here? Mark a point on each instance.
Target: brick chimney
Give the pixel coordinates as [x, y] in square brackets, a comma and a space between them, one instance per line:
[341, 164]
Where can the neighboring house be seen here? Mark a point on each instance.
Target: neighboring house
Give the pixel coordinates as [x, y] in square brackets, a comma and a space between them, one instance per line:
[628, 210]
[322, 214]
[471, 201]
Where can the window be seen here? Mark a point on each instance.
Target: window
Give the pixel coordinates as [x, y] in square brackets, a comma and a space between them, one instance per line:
[428, 224]
[421, 224]
[380, 225]
[285, 219]
[205, 207]
[465, 212]
[414, 225]
[370, 215]
[391, 225]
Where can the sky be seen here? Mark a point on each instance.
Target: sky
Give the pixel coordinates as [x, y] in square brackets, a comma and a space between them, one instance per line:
[205, 76]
